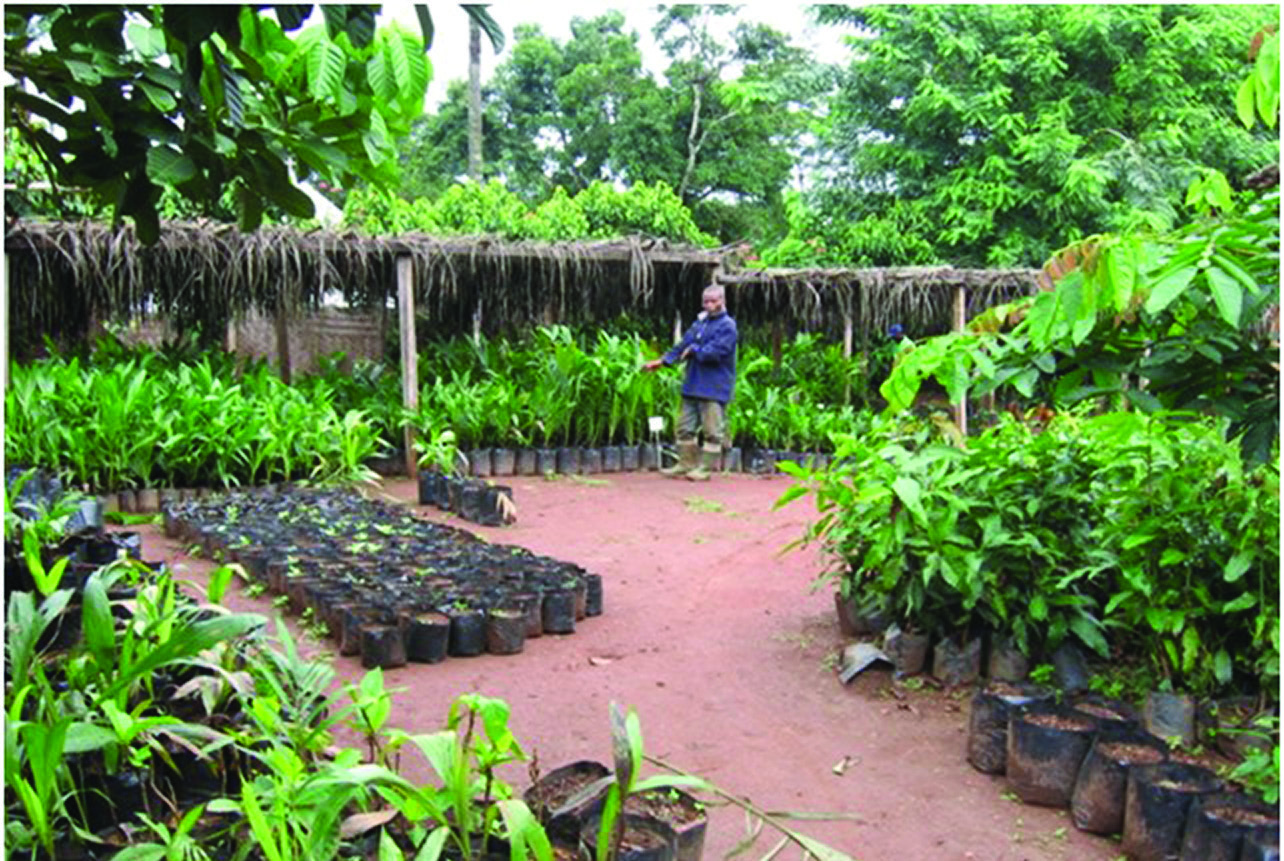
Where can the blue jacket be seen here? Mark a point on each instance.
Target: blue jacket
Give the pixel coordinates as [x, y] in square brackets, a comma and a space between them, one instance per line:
[711, 367]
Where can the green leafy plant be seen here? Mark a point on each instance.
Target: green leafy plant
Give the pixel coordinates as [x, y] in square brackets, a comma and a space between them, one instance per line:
[472, 799]
[629, 755]
[170, 845]
[1260, 769]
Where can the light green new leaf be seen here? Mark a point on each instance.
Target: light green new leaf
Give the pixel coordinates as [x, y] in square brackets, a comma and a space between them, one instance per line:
[83, 737]
[1038, 608]
[1190, 644]
[1243, 602]
[146, 40]
[388, 848]
[259, 826]
[1244, 101]
[1088, 631]
[431, 850]
[380, 77]
[1168, 288]
[910, 493]
[326, 62]
[1238, 565]
[98, 624]
[1222, 667]
[1227, 294]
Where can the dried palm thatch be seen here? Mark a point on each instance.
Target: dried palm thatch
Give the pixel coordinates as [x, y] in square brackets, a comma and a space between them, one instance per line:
[63, 275]
[921, 299]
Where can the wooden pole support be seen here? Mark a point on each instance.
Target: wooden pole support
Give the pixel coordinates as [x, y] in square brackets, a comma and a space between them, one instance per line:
[847, 355]
[283, 339]
[960, 322]
[409, 354]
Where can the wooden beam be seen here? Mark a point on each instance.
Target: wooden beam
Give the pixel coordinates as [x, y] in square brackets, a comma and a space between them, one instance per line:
[409, 354]
[283, 339]
[960, 323]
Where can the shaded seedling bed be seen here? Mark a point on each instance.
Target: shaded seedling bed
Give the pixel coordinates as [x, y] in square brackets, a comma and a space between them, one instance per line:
[385, 584]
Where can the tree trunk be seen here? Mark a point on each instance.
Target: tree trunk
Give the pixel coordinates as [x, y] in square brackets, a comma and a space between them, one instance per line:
[474, 101]
[694, 141]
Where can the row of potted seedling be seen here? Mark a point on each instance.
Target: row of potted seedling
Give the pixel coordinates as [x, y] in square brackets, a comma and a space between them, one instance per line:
[386, 585]
[1093, 756]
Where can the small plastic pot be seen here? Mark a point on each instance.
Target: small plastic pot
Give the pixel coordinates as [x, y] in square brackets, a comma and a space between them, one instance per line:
[382, 646]
[1158, 802]
[645, 839]
[1218, 826]
[1097, 805]
[566, 797]
[428, 638]
[1046, 745]
[956, 664]
[559, 611]
[992, 708]
[467, 633]
[505, 631]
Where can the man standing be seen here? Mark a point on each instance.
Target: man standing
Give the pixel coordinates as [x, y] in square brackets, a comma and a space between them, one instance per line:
[709, 350]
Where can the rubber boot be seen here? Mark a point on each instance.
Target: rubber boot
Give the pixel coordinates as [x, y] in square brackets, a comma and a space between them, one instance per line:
[688, 452]
[708, 465]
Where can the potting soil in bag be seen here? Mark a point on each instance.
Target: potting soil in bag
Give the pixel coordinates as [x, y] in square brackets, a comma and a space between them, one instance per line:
[1097, 804]
[1046, 746]
[992, 707]
[1158, 802]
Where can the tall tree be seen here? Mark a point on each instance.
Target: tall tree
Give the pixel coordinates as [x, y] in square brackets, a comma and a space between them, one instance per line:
[993, 135]
[474, 101]
[571, 113]
[126, 101]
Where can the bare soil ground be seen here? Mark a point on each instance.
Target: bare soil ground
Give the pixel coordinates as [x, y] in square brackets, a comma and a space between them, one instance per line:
[715, 637]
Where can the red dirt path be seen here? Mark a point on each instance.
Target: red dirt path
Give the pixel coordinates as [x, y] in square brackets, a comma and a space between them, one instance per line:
[727, 656]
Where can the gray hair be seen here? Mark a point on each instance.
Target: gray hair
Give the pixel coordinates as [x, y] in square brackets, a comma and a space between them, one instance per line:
[715, 290]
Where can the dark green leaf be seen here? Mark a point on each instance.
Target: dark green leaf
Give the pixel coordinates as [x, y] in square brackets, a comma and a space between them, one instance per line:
[488, 24]
[169, 167]
[425, 23]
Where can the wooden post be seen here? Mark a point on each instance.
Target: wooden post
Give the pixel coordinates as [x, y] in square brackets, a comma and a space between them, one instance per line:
[283, 339]
[677, 326]
[960, 321]
[229, 338]
[409, 354]
[477, 324]
[847, 355]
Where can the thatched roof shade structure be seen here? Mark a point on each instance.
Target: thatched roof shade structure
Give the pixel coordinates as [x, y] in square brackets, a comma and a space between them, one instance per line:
[63, 275]
[919, 298]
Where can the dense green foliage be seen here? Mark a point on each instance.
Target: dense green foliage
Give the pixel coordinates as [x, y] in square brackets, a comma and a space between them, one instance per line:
[140, 421]
[1132, 535]
[568, 115]
[142, 418]
[556, 388]
[1191, 314]
[203, 99]
[600, 211]
[993, 135]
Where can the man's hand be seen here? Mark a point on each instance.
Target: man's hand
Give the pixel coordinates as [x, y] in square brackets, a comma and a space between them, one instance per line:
[653, 365]
[686, 354]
